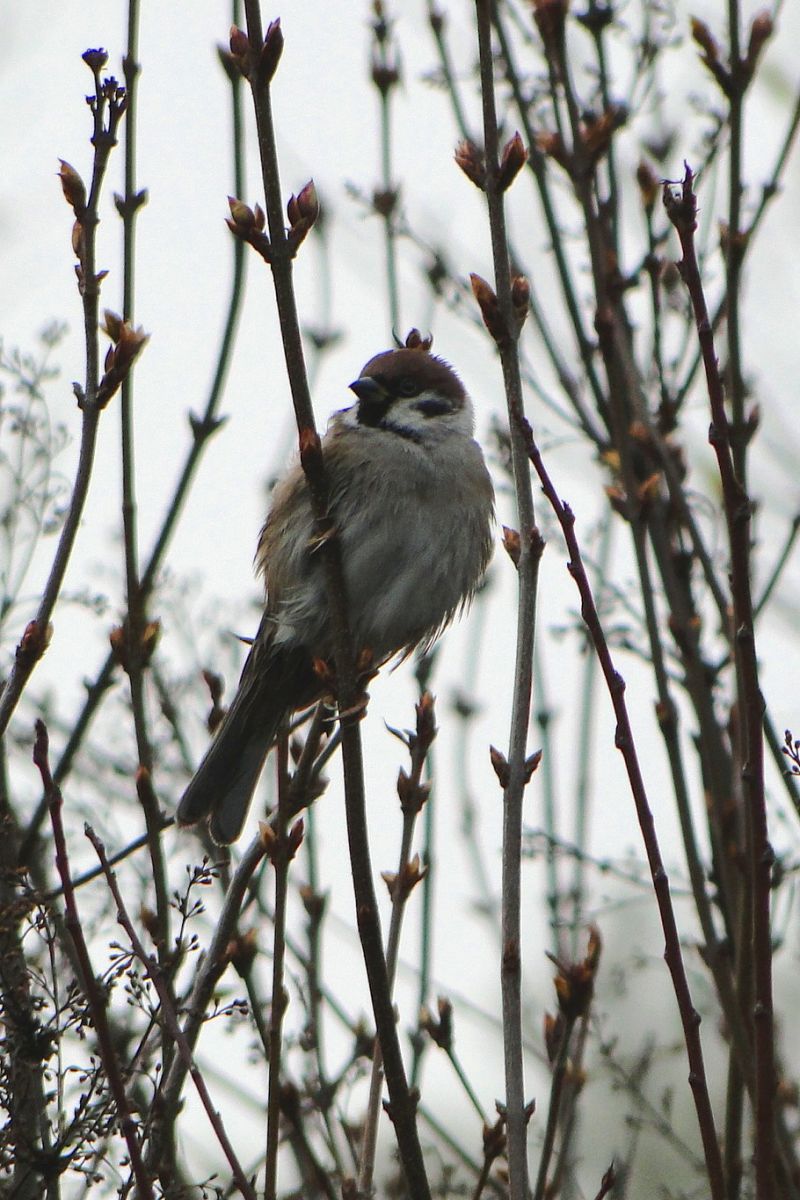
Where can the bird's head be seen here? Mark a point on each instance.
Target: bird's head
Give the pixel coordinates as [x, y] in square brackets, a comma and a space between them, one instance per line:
[412, 393]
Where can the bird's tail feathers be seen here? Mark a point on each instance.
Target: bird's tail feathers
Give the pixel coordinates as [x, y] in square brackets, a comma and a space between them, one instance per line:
[224, 783]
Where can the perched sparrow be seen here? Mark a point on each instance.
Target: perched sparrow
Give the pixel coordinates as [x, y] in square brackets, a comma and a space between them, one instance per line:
[412, 504]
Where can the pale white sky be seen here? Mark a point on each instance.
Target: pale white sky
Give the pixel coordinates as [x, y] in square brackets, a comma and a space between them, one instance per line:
[326, 115]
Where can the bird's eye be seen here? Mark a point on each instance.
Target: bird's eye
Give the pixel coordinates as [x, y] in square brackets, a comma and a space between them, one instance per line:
[407, 387]
[433, 408]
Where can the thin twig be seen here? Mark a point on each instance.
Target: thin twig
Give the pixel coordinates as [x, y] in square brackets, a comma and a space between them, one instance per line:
[108, 106]
[265, 54]
[92, 990]
[681, 205]
[624, 741]
[505, 330]
[202, 428]
[169, 1016]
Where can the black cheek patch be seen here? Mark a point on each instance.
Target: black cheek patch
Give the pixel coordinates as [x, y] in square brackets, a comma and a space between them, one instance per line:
[372, 412]
[433, 408]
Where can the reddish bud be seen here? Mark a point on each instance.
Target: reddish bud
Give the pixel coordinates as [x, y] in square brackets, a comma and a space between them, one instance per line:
[439, 1031]
[73, 188]
[271, 52]
[513, 160]
[494, 1140]
[710, 54]
[472, 162]
[239, 42]
[415, 341]
[520, 299]
[550, 17]
[511, 544]
[500, 766]
[553, 1029]
[241, 214]
[302, 211]
[490, 308]
[551, 144]
[648, 185]
[760, 32]
[34, 641]
[241, 951]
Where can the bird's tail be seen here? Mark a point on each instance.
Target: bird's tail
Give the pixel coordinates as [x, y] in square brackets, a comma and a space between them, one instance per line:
[274, 682]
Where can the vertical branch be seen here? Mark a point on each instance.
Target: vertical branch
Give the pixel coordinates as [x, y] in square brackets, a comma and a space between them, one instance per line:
[624, 741]
[413, 794]
[259, 56]
[202, 429]
[386, 76]
[108, 106]
[681, 206]
[138, 638]
[282, 845]
[95, 997]
[504, 313]
[733, 248]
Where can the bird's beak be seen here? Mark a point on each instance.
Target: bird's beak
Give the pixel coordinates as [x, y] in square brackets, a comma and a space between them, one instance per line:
[368, 390]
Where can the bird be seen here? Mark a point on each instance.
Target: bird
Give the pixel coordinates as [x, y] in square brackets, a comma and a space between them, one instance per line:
[412, 505]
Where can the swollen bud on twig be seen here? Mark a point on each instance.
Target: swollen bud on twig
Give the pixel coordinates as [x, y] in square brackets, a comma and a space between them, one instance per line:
[490, 308]
[760, 32]
[500, 766]
[648, 185]
[95, 60]
[302, 211]
[271, 52]
[511, 544]
[680, 202]
[415, 341]
[73, 188]
[512, 161]
[551, 144]
[550, 17]
[240, 51]
[710, 56]
[520, 299]
[248, 224]
[127, 345]
[472, 162]
[439, 1031]
[574, 981]
[34, 641]
[400, 884]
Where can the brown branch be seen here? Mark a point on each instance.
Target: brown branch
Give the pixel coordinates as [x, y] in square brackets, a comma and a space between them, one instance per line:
[681, 204]
[169, 1016]
[259, 56]
[690, 1018]
[504, 313]
[108, 107]
[95, 998]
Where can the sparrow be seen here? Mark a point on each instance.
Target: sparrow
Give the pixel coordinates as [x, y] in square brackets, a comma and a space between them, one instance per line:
[412, 505]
